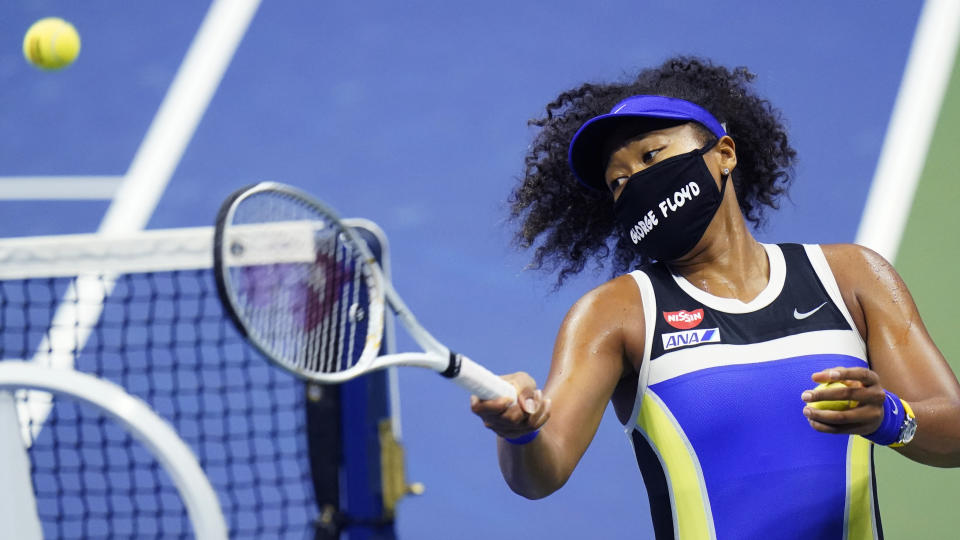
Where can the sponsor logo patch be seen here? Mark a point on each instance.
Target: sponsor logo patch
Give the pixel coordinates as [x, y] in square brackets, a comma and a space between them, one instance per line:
[690, 337]
[683, 319]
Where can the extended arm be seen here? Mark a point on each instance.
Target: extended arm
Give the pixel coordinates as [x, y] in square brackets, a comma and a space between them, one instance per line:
[590, 358]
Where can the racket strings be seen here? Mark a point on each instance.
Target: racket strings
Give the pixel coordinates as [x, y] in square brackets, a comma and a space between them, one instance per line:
[333, 322]
[331, 258]
[335, 357]
[309, 315]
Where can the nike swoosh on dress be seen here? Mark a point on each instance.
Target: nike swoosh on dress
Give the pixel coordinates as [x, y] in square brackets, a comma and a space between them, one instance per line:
[800, 316]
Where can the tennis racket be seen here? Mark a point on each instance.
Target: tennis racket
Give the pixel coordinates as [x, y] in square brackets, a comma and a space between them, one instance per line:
[307, 292]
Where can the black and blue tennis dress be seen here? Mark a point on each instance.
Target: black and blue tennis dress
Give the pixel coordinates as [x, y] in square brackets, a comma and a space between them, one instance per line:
[717, 424]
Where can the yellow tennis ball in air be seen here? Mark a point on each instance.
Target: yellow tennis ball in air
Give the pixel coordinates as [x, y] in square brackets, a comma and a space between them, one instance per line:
[840, 405]
[51, 43]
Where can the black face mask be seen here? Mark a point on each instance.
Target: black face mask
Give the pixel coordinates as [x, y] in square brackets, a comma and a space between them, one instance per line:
[664, 210]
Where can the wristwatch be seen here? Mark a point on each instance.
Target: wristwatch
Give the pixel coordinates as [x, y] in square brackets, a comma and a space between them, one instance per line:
[908, 429]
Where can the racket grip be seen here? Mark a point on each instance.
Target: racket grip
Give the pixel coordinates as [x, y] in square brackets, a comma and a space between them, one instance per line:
[479, 380]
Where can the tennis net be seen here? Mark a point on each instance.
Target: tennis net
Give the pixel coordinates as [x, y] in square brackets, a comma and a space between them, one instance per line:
[142, 311]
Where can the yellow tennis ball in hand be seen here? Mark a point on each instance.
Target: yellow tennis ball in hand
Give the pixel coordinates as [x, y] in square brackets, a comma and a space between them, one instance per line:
[51, 43]
[840, 405]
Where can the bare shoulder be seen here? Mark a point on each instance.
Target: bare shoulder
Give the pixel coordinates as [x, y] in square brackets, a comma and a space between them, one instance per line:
[871, 287]
[856, 252]
[609, 317]
[863, 277]
[860, 269]
[612, 301]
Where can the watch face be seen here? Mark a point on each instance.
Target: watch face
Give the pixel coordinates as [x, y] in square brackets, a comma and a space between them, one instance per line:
[909, 430]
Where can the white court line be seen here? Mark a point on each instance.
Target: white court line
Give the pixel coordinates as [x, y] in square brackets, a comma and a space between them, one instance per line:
[46, 188]
[176, 120]
[179, 114]
[911, 127]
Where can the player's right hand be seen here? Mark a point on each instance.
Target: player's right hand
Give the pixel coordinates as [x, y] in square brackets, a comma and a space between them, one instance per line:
[514, 419]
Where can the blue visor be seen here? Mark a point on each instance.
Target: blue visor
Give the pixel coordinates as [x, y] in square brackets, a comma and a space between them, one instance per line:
[586, 154]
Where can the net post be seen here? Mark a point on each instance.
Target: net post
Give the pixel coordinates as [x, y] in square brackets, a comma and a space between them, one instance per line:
[363, 447]
[324, 435]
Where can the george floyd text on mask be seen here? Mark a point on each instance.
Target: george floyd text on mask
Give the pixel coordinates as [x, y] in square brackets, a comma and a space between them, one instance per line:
[664, 210]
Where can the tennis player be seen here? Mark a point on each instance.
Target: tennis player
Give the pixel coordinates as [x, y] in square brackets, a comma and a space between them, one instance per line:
[711, 348]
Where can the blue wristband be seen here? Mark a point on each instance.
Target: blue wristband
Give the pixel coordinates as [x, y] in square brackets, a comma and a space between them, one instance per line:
[893, 416]
[523, 439]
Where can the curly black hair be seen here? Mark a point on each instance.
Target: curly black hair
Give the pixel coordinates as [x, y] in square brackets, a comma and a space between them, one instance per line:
[571, 225]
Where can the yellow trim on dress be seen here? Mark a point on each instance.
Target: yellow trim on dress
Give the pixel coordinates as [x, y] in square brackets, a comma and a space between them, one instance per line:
[860, 513]
[683, 474]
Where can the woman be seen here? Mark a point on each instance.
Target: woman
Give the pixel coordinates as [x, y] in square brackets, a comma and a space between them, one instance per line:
[711, 350]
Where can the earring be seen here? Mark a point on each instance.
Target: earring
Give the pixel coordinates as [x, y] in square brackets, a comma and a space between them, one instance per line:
[726, 171]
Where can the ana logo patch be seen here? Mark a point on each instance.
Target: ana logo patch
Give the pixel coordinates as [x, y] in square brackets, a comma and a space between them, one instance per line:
[690, 337]
[683, 319]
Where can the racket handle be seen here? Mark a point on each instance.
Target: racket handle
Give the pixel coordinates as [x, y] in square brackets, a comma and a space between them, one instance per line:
[479, 380]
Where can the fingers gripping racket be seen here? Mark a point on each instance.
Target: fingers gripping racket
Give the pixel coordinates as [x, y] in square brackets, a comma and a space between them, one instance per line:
[306, 290]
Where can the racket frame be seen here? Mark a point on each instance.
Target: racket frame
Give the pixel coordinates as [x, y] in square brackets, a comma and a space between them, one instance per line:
[436, 356]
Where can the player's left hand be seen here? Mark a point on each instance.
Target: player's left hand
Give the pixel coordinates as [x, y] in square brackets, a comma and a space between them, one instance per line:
[862, 386]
